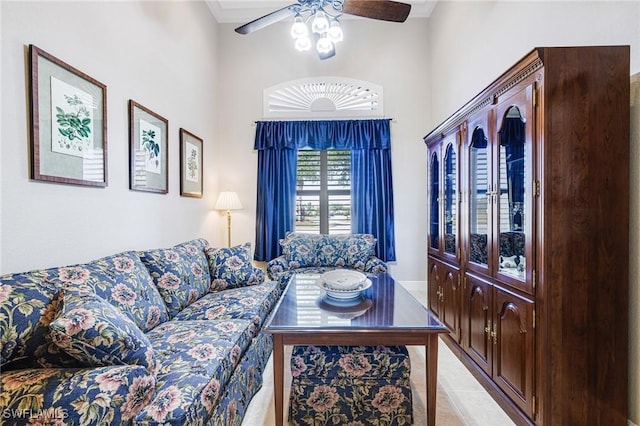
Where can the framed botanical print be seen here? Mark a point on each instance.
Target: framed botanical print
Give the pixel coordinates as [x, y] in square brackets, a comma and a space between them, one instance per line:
[148, 153]
[190, 164]
[68, 123]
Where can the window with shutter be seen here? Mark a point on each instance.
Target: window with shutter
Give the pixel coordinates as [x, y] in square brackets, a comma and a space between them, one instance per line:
[323, 192]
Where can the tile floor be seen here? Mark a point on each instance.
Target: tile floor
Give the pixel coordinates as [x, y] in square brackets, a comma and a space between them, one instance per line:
[461, 399]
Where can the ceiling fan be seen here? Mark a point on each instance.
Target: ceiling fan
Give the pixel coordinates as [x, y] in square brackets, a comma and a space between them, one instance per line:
[323, 15]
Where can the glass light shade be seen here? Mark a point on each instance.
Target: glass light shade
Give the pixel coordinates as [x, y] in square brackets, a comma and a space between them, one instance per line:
[228, 201]
[320, 23]
[299, 29]
[324, 44]
[335, 32]
[303, 43]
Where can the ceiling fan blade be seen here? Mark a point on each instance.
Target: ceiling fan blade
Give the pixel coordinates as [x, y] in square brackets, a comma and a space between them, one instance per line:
[266, 20]
[384, 10]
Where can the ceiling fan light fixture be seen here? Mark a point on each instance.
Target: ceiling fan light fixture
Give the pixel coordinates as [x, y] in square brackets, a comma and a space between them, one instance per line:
[299, 28]
[303, 43]
[320, 23]
[335, 32]
[324, 45]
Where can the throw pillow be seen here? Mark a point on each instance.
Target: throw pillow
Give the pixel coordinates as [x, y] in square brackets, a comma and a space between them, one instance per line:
[97, 334]
[358, 249]
[180, 273]
[232, 267]
[299, 249]
[331, 250]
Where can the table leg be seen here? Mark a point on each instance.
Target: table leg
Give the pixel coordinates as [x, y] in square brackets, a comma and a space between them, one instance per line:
[278, 377]
[432, 377]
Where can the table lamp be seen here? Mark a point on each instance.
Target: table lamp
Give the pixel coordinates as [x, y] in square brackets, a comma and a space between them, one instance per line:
[228, 201]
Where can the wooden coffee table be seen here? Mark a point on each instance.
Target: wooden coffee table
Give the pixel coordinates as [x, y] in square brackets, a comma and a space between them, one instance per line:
[387, 315]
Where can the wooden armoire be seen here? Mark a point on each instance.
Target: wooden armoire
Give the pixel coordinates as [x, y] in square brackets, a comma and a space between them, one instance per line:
[528, 235]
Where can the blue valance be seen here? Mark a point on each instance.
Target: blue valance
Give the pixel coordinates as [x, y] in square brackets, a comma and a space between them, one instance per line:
[323, 134]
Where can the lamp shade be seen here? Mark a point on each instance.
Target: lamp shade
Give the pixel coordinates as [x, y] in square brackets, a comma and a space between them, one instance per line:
[228, 200]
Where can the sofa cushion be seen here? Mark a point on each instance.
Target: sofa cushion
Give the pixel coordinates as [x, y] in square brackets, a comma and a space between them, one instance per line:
[251, 303]
[358, 249]
[28, 302]
[75, 396]
[330, 250]
[197, 358]
[97, 334]
[124, 281]
[181, 273]
[232, 267]
[244, 383]
[300, 249]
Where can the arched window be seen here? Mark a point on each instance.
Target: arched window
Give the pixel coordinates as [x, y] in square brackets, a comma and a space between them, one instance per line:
[323, 98]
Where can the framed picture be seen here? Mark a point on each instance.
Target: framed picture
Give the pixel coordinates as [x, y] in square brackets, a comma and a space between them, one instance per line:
[148, 153]
[190, 165]
[68, 123]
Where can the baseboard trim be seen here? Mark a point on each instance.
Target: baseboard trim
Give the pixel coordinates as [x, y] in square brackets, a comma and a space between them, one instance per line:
[418, 285]
[630, 423]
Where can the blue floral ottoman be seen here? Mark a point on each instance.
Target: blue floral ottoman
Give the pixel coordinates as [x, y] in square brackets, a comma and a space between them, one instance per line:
[350, 385]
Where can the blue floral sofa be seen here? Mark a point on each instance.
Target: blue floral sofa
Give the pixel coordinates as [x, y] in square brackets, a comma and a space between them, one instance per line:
[158, 337]
[318, 253]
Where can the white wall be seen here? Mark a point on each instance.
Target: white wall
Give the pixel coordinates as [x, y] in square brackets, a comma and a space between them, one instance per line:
[162, 55]
[378, 52]
[472, 43]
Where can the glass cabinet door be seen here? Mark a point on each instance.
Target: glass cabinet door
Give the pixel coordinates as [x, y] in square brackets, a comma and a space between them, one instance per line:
[450, 199]
[434, 202]
[514, 184]
[479, 196]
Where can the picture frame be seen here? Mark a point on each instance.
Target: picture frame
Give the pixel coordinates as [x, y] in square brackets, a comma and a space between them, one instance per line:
[68, 123]
[148, 150]
[191, 172]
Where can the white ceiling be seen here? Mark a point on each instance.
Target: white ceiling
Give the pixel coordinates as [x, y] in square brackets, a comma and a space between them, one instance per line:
[241, 11]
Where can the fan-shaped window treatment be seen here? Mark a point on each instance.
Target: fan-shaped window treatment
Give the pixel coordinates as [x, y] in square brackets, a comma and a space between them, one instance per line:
[277, 143]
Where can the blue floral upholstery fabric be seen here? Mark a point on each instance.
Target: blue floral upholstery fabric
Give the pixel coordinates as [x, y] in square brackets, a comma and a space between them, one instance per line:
[25, 341]
[350, 385]
[75, 396]
[315, 253]
[251, 303]
[196, 360]
[124, 281]
[181, 273]
[97, 334]
[245, 382]
[191, 353]
[232, 267]
[300, 249]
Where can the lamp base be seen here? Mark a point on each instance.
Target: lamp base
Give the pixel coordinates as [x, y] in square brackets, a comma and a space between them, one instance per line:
[229, 228]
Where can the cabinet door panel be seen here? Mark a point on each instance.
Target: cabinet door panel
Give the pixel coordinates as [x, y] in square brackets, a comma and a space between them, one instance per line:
[513, 348]
[450, 190]
[433, 286]
[434, 200]
[514, 186]
[479, 186]
[478, 316]
[450, 306]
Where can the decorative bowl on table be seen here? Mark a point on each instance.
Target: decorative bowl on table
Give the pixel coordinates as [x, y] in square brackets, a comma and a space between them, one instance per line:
[343, 279]
[343, 295]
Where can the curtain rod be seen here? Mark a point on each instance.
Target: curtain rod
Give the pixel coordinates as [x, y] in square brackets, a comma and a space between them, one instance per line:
[392, 120]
